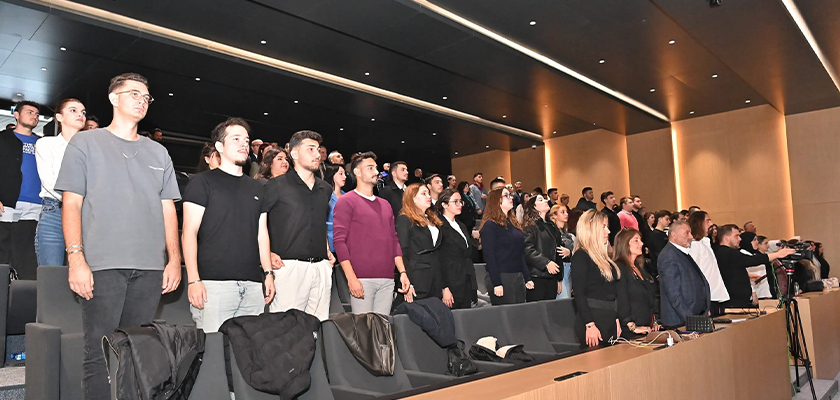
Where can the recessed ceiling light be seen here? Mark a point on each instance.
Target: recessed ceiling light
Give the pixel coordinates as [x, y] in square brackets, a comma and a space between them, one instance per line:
[296, 101]
[748, 101]
[62, 48]
[373, 119]
[691, 112]
[262, 42]
[367, 73]
[402, 141]
[593, 124]
[601, 61]
[265, 113]
[171, 94]
[714, 76]
[546, 106]
[504, 116]
[554, 133]
[652, 90]
[532, 23]
[486, 147]
[444, 97]
[341, 129]
[43, 68]
[672, 41]
[197, 78]
[20, 94]
[456, 153]
[434, 133]
[533, 146]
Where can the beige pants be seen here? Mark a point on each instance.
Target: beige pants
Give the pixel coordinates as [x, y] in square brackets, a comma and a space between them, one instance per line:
[304, 286]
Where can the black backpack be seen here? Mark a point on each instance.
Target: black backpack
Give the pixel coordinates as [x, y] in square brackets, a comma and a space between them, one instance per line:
[155, 361]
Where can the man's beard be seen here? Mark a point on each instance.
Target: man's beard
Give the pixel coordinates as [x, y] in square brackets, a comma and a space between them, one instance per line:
[30, 127]
[241, 163]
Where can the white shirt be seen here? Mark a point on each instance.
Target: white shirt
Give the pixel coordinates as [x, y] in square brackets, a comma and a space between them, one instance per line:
[371, 198]
[762, 289]
[435, 233]
[49, 152]
[682, 249]
[701, 252]
[457, 228]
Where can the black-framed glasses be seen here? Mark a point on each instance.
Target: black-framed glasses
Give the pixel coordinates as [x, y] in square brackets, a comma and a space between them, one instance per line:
[507, 196]
[461, 202]
[136, 95]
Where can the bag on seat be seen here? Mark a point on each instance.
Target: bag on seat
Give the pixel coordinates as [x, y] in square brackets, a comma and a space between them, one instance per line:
[458, 363]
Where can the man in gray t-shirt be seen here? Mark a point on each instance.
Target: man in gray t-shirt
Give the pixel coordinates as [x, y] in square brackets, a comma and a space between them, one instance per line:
[118, 191]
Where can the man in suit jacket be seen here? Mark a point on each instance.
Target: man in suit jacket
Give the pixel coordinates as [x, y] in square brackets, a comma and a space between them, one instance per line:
[683, 287]
[394, 188]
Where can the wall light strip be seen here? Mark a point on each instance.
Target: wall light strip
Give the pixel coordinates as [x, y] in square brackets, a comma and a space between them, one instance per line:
[539, 57]
[803, 27]
[675, 148]
[220, 48]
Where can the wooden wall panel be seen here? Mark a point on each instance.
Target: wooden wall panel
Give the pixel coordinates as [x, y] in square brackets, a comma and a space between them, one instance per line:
[735, 165]
[596, 158]
[491, 164]
[651, 167]
[814, 146]
[528, 166]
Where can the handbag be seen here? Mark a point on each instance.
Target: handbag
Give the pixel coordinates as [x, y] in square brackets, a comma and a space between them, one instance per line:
[458, 363]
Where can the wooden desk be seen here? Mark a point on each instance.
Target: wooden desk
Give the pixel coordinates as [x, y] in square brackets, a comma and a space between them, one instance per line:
[820, 313]
[748, 360]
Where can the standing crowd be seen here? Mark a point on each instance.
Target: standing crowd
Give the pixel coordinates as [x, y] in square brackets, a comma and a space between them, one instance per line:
[267, 226]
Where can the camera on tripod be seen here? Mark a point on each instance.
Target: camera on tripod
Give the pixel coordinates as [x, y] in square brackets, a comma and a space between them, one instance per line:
[803, 251]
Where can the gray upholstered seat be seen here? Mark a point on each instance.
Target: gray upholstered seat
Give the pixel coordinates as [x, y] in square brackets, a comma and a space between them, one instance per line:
[480, 273]
[558, 317]
[524, 324]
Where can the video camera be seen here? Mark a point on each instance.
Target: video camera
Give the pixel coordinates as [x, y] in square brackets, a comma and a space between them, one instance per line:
[803, 251]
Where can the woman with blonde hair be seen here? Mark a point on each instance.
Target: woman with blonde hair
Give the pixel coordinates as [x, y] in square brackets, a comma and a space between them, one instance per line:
[418, 229]
[559, 216]
[504, 250]
[595, 282]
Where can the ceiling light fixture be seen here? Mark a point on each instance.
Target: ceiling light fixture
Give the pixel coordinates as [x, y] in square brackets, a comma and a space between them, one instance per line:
[456, 153]
[652, 90]
[532, 23]
[434, 133]
[486, 147]
[444, 97]
[62, 48]
[601, 61]
[554, 133]
[20, 94]
[402, 141]
[533, 146]
[748, 101]
[341, 129]
[691, 112]
[714, 76]
[171, 94]
[504, 116]
[539, 57]
[43, 68]
[265, 113]
[373, 119]
[262, 41]
[76, 8]
[296, 101]
[803, 27]
[367, 73]
[672, 41]
[197, 78]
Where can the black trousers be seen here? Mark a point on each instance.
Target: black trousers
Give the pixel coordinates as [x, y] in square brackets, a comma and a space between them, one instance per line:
[17, 247]
[544, 289]
[514, 289]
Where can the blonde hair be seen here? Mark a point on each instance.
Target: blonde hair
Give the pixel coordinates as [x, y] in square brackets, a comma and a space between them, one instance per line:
[590, 229]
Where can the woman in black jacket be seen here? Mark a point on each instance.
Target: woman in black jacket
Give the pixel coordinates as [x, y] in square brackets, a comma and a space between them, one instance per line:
[455, 253]
[541, 250]
[418, 229]
[468, 215]
[638, 308]
[825, 269]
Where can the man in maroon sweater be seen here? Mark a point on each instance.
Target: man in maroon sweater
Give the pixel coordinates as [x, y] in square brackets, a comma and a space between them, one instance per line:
[366, 243]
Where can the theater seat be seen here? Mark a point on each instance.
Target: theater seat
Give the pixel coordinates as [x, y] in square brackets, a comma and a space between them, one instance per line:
[335, 303]
[418, 352]
[524, 324]
[474, 323]
[319, 388]
[348, 378]
[18, 301]
[558, 317]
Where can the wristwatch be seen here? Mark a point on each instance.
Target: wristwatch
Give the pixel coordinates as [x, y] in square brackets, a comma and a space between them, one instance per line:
[267, 273]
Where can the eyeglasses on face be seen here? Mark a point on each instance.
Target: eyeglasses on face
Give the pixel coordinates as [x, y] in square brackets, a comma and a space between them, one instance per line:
[136, 95]
[461, 202]
[507, 196]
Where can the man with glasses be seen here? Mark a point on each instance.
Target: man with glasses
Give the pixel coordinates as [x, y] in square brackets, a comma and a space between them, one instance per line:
[20, 192]
[118, 192]
[366, 242]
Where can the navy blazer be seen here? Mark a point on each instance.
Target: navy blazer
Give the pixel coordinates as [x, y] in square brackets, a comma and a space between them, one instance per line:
[683, 287]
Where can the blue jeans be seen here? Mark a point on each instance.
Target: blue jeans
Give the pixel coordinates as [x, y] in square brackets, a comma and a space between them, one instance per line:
[226, 300]
[567, 281]
[49, 238]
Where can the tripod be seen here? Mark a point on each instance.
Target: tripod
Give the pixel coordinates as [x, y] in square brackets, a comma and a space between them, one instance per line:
[796, 338]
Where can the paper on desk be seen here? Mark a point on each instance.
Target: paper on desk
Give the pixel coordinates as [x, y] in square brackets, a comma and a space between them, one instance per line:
[739, 320]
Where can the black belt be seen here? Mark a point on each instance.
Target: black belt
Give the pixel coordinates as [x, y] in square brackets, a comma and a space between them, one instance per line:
[602, 304]
[309, 260]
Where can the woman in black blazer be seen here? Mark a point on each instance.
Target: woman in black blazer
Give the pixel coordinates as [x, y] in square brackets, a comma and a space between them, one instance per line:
[468, 215]
[455, 253]
[418, 229]
[638, 307]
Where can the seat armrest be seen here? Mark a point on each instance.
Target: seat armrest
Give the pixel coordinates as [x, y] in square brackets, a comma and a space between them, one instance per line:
[348, 393]
[487, 366]
[418, 378]
[43, 361]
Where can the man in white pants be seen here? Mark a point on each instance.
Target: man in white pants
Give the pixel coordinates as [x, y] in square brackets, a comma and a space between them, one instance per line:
[298, 205]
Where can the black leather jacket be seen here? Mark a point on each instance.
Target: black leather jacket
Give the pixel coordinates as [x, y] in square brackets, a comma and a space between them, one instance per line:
[540, 248]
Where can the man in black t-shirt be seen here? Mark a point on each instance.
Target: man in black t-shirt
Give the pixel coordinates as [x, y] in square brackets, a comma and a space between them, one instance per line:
[225, 235]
